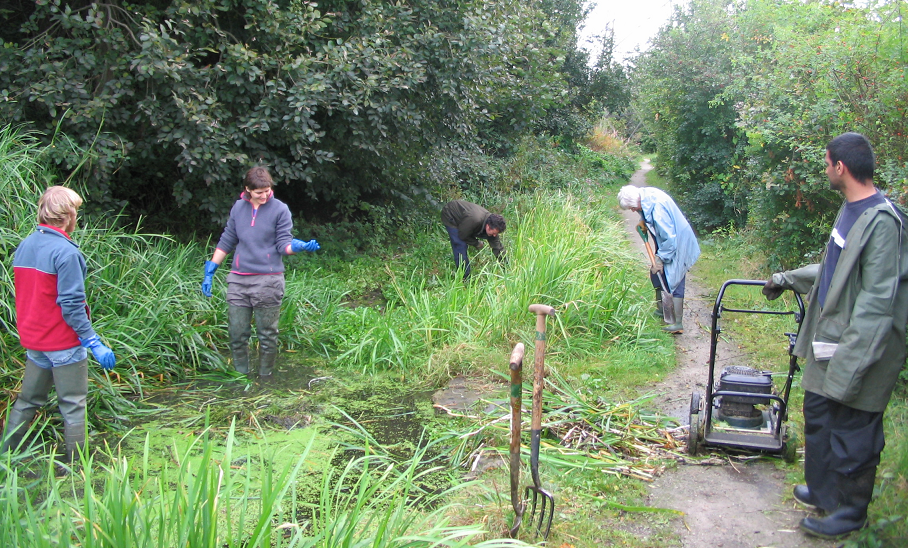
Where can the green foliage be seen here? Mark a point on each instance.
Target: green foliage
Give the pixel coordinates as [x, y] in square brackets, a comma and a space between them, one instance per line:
[348, 101]
[559, 252]
[204, 500]
[678, 83]
[810, 72]
[741, 103]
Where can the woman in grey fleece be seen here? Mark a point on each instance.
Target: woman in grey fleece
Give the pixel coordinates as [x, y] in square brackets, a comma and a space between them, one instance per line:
[258, 233]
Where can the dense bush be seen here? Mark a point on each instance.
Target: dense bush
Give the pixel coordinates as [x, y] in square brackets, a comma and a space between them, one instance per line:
[353, 103]
[742, 99]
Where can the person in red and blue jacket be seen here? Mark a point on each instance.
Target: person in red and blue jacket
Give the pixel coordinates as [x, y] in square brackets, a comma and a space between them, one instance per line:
[53, 322]
[258, 233]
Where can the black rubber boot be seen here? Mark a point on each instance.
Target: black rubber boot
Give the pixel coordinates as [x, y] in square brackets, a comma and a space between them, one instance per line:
[851, 515]
[266, 327]
[71, 382]
[36, 383]
[803, 496]
[239, 327]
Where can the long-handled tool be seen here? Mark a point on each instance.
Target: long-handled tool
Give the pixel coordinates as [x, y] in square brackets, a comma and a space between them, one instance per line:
[668, 306]
[516, 368]
[544, 499]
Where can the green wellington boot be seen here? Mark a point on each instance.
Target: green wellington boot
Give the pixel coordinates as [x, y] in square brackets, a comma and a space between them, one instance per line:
[266, 327]
[36, 383]
[71, 382]
[239, 320]
[657, 313]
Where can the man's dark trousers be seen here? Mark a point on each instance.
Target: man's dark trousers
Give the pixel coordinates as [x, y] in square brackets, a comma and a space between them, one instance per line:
[840, 442]
[459, 247]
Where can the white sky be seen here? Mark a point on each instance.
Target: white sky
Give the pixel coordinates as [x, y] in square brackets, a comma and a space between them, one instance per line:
[635, 23]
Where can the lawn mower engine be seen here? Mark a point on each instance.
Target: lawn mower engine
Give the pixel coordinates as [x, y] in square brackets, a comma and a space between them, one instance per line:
[741, 411]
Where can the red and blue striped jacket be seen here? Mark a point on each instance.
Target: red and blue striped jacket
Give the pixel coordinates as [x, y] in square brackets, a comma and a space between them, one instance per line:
[49, 271]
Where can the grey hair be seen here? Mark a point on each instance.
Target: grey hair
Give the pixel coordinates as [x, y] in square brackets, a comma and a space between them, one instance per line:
[628, 197]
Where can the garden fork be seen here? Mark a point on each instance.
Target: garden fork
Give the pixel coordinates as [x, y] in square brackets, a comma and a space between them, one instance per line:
[540, 496]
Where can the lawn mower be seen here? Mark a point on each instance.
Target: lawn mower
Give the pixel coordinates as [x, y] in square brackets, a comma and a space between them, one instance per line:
[742, 410]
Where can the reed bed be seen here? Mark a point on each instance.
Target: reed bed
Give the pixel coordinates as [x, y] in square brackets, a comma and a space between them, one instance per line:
[143, 290]
[561, 253]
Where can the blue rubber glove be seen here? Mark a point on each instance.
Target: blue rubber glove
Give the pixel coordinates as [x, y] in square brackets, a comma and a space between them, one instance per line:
[210, 268]
[102, 353]
[298, 245]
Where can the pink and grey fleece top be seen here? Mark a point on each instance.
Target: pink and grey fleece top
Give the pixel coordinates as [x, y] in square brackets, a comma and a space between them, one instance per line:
[257, 238]
[49, 272]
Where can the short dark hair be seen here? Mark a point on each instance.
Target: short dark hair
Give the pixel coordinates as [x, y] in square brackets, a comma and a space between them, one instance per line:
[855, 152]
[496, 222]
[258, 178]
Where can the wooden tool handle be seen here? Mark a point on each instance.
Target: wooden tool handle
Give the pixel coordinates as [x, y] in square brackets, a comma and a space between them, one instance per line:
[515, 367]
[541, 312]
[542, 309]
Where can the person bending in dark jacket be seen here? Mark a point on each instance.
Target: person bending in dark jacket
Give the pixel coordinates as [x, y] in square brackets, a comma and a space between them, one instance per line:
[852, 340]
[467, 224]
[53, 322]
[258, 233]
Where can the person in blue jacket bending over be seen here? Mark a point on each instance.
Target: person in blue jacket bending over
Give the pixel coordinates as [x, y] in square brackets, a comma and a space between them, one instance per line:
[676, 245]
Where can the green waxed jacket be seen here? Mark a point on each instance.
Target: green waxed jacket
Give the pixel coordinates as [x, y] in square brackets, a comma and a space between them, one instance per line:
[470, 221]
[865, 314]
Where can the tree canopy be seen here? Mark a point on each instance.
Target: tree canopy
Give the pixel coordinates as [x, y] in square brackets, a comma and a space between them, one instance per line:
[348, 102]
[742, 97]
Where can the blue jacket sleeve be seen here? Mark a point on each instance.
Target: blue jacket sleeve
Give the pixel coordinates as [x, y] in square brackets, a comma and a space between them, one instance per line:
[283, 231]
[71, 294]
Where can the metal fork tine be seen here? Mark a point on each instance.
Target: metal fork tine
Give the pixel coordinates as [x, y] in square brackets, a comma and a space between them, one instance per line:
[546, 504]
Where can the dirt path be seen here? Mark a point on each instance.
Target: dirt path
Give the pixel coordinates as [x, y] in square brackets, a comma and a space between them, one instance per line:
[735, 504]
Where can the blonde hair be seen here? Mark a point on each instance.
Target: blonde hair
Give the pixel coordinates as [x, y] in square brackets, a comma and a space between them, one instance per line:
[628, 197]
[57, 206]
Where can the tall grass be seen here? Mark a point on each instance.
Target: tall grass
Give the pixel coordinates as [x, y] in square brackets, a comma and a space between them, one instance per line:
[203, 502]
[561, 252]
[143, 290]
[207, 501]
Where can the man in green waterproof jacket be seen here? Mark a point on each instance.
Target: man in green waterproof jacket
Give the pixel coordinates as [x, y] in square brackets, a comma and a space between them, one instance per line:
[852, 340]
[467, 224]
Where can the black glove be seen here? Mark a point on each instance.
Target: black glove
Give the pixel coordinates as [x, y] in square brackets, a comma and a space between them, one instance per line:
[772, 290]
